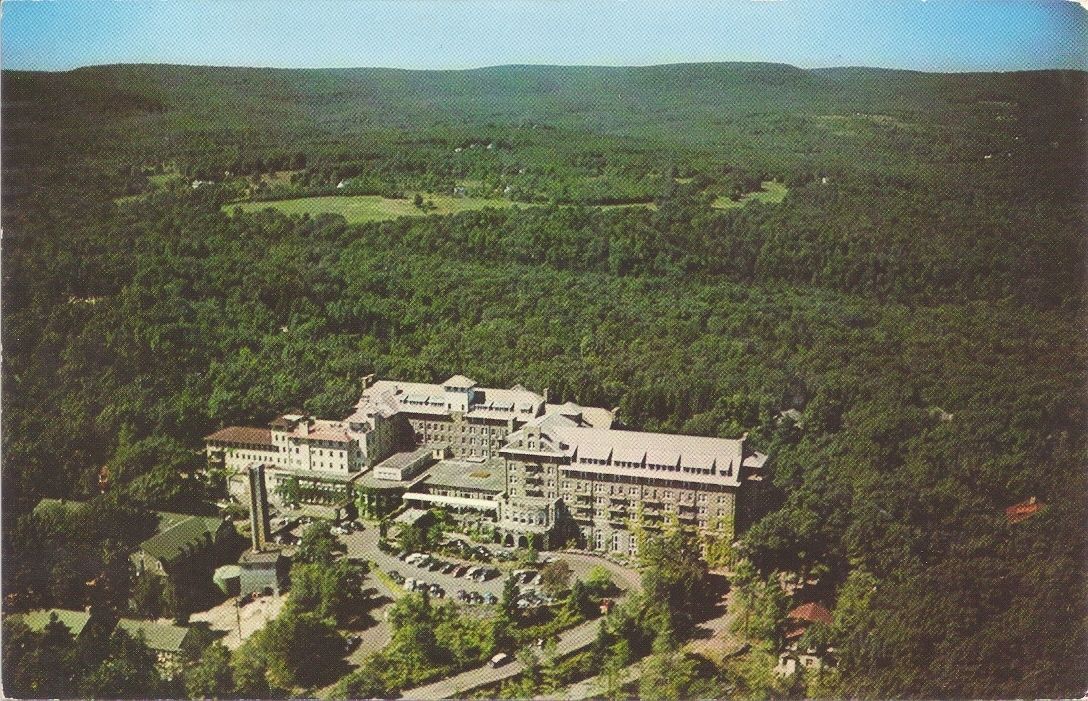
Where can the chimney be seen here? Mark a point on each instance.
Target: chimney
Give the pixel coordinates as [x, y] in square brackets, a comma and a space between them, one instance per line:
[258, 508]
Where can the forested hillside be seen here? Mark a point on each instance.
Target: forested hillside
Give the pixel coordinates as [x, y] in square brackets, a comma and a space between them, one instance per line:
[917, 296]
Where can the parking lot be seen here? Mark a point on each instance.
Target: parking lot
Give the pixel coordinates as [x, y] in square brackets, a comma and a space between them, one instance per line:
[365, 545]
[442, 580]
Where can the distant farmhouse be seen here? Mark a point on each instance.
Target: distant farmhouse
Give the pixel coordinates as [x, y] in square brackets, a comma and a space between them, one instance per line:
[537, 473]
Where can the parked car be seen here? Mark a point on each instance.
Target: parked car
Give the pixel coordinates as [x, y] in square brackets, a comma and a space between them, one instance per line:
[459, 570]
[476, 597]
[499, 660]
[490, 599]
[352, 642]
[472, 571]
[462, 595]
[485, 574]
[396, 577]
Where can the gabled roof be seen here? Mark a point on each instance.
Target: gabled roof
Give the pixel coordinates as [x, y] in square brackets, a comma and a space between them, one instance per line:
[460, 382]
[799, 619]
[243, 435]
[75, 621]
[160, 637]
[193, 531]
[811, 612]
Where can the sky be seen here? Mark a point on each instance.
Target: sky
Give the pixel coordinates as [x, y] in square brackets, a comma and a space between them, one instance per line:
[928, 35]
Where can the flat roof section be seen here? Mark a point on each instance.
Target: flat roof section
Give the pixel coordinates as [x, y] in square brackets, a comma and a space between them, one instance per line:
[489, 476]
[401, 460]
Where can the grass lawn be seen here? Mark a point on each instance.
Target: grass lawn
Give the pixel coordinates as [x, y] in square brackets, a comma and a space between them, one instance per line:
[772, 193]
[642, 205]
[357, 209]
[162, 179]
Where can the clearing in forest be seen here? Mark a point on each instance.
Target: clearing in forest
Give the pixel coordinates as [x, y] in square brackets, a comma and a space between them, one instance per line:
[772, 193]
[358, 209]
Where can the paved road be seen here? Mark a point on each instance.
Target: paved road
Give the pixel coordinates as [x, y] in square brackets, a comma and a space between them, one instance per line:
[712, 638]
[572, 640]
[365, 545]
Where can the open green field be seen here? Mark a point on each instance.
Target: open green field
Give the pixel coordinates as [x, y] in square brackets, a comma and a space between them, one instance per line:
[772, 193]
[358, 209]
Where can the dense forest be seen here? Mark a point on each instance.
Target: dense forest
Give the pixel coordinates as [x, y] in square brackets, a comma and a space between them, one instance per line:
[918, 297]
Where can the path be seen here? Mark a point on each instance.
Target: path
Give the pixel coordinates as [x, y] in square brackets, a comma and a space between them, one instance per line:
[253, 616]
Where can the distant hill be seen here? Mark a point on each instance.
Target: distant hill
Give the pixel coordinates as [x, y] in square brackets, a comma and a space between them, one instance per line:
[686, 103]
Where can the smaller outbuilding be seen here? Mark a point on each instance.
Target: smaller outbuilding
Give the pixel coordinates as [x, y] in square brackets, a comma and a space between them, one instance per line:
[168, 641]
[262, 571]
[75, 621]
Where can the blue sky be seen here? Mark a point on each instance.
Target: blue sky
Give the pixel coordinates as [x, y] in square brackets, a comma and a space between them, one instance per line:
[931, 35]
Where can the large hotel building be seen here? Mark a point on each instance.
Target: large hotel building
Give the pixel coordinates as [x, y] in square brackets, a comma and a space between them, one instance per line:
[533, 472]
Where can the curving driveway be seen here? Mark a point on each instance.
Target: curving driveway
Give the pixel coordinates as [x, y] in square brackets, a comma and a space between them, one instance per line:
[458, 686]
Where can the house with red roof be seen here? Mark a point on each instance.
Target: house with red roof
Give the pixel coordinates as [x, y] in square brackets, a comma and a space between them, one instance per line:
[794, 657]
[1024, 510]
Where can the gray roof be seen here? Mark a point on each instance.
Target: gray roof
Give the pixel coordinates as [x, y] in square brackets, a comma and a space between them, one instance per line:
[663, 455]
[160, 637]
[388, 397]
[180, 536]
[459, 381]
[75, 621]
[367, 480]
[411, 516]
[261, 557]
[404, 459]
[487, 476]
